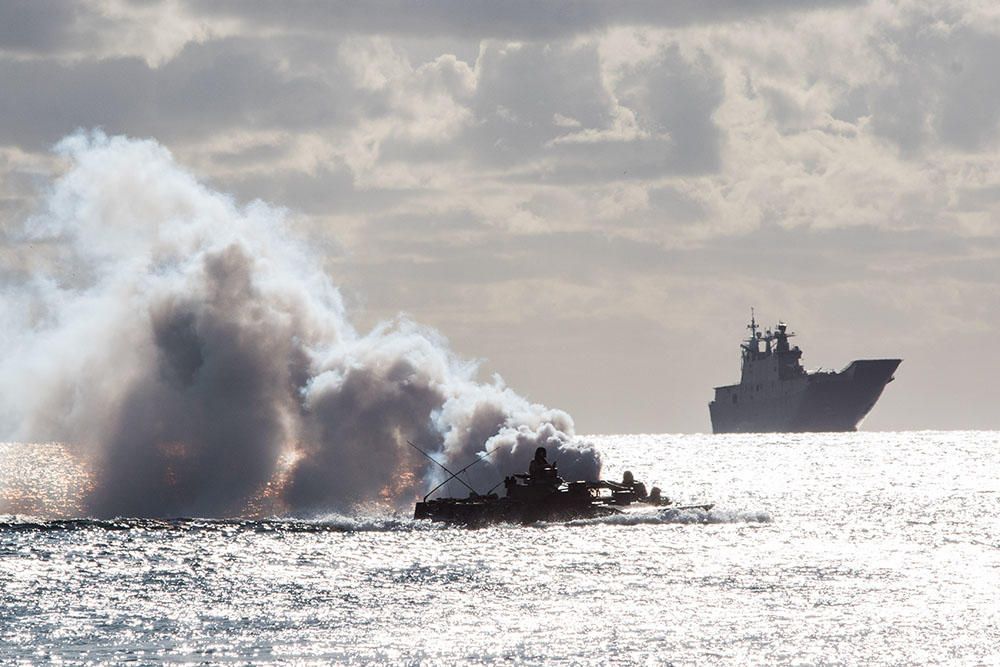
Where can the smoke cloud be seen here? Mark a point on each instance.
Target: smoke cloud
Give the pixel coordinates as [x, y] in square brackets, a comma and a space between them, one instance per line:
[199, 354]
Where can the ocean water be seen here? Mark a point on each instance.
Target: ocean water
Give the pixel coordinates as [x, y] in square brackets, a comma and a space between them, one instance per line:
[867, 548]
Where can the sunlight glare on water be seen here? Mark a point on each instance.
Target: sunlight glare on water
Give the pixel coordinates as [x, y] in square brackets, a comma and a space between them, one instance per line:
[826, 548]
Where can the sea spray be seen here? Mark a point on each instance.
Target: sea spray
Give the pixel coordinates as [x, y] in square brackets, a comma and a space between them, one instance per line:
[676, 516]
[199, 354]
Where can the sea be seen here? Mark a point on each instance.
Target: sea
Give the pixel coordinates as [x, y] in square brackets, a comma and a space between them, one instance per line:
[820, 549]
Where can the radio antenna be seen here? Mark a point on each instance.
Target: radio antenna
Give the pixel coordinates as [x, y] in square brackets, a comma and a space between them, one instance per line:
[442, 466]
[455, 475]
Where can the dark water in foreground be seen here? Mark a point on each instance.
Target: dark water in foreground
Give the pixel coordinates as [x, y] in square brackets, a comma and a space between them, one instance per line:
[857, 548]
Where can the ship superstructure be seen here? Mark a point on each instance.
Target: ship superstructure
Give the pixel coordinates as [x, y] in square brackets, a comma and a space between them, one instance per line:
[776, 394]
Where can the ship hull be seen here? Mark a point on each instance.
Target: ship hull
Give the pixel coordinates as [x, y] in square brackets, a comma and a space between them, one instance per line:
[807, 403]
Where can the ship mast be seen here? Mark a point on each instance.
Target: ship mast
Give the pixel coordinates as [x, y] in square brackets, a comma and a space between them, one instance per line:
[748, 348]
[753, 324]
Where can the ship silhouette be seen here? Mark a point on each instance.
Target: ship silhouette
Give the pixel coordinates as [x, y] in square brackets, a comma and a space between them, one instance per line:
[776, 394]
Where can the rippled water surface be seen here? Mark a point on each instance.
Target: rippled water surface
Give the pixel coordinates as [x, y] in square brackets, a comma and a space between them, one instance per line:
[853, 548]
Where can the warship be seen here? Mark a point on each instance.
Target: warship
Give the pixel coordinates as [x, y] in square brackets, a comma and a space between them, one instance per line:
[542, 495]
[776, 394]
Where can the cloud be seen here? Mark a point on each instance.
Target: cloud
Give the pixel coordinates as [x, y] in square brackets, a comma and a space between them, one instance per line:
[36, 26]
[942, 89]
[207, 89]
[152, 31]
[516, 20]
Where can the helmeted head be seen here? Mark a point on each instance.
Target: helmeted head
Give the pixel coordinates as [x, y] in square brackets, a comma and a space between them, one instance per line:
[540, 454]
[628, 478]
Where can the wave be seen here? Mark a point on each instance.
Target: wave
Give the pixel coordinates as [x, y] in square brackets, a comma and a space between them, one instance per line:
[342, 523]
[676, 516]
[333, 523]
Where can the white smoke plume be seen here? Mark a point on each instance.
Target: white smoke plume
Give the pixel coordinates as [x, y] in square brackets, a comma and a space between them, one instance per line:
[203, 358]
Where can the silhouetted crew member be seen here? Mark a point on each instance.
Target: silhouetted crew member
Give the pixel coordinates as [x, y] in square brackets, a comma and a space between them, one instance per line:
[638, 488]
[539, 468]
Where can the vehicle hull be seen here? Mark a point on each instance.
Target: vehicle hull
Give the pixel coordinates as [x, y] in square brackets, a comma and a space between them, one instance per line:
[483, 511]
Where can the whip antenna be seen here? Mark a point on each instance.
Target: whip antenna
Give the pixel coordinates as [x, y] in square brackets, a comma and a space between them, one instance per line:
[454, 475]
[442, 466]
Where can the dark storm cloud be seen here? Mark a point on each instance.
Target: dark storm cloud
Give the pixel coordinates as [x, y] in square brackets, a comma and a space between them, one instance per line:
[518, 19]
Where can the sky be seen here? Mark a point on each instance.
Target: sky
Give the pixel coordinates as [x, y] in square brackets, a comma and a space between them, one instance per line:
[588, 197]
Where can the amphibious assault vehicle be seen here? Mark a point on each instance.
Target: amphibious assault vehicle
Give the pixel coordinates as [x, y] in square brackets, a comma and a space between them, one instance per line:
[548, 498]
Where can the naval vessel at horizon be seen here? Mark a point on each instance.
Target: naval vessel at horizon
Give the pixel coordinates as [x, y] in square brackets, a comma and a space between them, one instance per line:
[776, 394]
